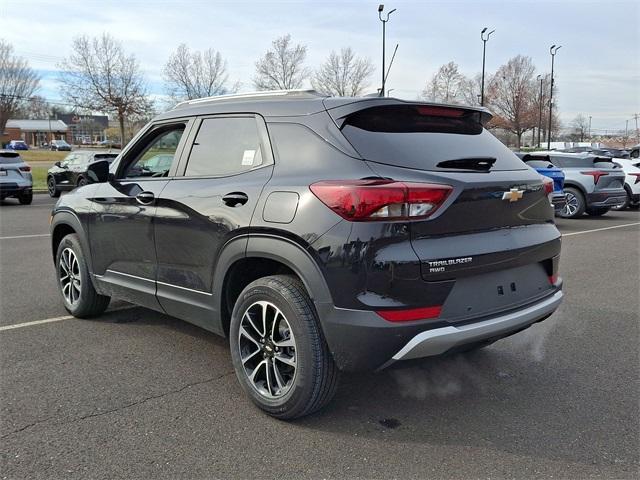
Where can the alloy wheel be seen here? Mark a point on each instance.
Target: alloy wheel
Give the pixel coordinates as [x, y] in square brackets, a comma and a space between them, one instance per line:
[267, 350]
[571, 206]
[69, 276]
[51, 185]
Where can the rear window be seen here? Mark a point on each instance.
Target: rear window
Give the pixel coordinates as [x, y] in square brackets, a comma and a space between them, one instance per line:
[572, 162]
[539, 163]
[422, 136]
[9, 157]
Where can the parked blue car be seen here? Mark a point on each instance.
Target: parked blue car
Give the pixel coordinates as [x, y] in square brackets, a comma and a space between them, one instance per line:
[17, 145]
[542, 165]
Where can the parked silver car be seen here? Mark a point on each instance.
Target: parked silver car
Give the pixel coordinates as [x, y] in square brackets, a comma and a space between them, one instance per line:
[15, 177]
[592, 184]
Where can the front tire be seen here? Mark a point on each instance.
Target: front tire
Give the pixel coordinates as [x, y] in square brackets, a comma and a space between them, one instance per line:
[78, 294]
[82, 182]
[575, 205]
[278, 351]
[52, 187]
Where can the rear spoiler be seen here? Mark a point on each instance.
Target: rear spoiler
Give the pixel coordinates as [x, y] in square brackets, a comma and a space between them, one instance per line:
[341, 108]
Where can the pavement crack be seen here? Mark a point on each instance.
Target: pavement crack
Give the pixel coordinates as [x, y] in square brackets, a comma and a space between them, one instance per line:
[123, 407]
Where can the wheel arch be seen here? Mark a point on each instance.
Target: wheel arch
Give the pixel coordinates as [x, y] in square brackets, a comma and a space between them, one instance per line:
[576, 185]
[65, 223]
[262, 255]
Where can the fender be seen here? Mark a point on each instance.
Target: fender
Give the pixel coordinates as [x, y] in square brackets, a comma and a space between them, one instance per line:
[575, 185]
[274, 247]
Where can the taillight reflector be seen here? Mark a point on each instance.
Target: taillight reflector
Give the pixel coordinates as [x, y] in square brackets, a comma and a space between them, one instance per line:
[553, 279]
[372, 200]
[423, 313]
[548, 185]
[596, 174]
[26, 168]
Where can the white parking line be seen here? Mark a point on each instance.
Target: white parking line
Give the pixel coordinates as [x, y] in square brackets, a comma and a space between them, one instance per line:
[26, 236]
[600, 229]
[37, 322]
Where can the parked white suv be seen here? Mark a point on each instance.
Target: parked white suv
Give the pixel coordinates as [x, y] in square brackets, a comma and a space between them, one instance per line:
[631, 168]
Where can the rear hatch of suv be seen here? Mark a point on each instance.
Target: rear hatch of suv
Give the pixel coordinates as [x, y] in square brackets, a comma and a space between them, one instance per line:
[494, 233]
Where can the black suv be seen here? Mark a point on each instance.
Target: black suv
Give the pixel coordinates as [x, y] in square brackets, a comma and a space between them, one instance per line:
[318, 234]
[72, 171]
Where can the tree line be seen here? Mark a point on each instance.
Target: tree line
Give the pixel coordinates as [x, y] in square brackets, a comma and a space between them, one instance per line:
[99, 75]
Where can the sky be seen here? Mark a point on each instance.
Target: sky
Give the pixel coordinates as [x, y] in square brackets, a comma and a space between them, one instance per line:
[597, 70]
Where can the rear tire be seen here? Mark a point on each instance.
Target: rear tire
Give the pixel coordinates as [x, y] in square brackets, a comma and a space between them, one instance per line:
[82, 182]
[25, 198]
[597, 212]
[283, 364]
[576, 204]
[52, 187]
[74, 281]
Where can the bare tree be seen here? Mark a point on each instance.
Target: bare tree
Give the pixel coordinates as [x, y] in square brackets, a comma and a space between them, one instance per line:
[18, 82]
[343, 75]
[469, 92]
[36, 108]
[190, 75]
[99, 75]
[580, 125]
[282, 67]
[445, 84]
[511, 96]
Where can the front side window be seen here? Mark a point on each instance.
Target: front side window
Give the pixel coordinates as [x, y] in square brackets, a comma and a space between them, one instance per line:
[225, 146]
[154, 159]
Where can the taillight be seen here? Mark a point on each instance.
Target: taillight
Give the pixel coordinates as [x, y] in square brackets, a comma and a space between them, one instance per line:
[26, 168]
[596, 174]
[413, 314]
[548, 185]
[371, 200]
[553, 279]
[637, 175]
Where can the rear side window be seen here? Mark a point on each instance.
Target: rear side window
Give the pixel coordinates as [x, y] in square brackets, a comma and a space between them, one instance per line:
[225, 146]
[422, 136]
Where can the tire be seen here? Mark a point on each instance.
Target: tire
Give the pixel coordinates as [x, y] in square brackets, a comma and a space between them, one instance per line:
[52, 187]
[597, 212]
[627, 202]
[82, 182]
[576, 204]
[301, 389]
[25, 198]
[78, 294]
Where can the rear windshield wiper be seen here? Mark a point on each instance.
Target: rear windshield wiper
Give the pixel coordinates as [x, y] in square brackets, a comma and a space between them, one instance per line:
[478, 164]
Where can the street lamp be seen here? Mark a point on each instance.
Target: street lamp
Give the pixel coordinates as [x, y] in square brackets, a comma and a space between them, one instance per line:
[589, 127]
[484, 50]
[539, 77]
[552, 50]
[384, 33]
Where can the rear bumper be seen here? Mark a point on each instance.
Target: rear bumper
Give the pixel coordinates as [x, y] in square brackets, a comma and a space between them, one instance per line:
[360, 340]
[606, 199]
[439, 340]
[10, 189]
[559, 201]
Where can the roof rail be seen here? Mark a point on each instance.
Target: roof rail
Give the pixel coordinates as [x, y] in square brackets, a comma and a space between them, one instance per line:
[261, 94]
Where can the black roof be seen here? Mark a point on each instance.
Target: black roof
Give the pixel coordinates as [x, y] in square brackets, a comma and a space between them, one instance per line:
[285, 103]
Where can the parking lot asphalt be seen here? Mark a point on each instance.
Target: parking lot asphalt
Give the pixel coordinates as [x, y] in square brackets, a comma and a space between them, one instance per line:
[137, 394]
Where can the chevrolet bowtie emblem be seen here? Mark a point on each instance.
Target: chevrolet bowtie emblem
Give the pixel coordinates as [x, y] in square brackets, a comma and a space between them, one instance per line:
[513, 195]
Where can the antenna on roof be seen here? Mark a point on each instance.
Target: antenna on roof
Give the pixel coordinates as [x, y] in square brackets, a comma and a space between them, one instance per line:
[389, 69]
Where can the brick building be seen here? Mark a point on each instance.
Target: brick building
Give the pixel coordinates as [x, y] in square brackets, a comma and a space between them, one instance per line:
[37, 132]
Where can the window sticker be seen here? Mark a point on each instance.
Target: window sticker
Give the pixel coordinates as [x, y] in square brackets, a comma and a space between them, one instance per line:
[248, 156]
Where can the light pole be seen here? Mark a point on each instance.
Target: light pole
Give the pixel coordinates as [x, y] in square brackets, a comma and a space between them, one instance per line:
[384, 34]
[389, 91]
[589, 128]
[484, 51]
[552, 50]
[539, 77]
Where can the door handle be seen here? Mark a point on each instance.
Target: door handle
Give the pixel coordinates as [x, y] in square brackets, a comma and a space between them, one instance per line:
[235, 198]
[145, 198]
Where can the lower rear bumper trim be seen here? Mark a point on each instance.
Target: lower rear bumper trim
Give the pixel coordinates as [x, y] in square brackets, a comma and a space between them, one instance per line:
[439, 340]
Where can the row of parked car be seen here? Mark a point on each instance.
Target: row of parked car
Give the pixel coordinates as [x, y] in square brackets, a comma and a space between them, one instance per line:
[588, 182]
[59, 145]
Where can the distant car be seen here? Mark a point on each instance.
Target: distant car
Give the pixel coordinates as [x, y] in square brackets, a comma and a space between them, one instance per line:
[631, 168]
[15, 177]
[60, 145]
[17, 145]
[155, 166]
[592, 184]
[72, 171]
[611, 152]
[542, 164]
[109, 144]
[634, 152]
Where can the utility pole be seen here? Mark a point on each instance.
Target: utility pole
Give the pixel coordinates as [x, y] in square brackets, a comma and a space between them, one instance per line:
[384, 34]
[637, 131]
[484, 51]
[539, 77]
[589, 127]
[553, 50]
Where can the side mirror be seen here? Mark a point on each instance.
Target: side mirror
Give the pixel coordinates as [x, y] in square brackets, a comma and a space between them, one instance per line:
[98, 172]
[58, 164]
